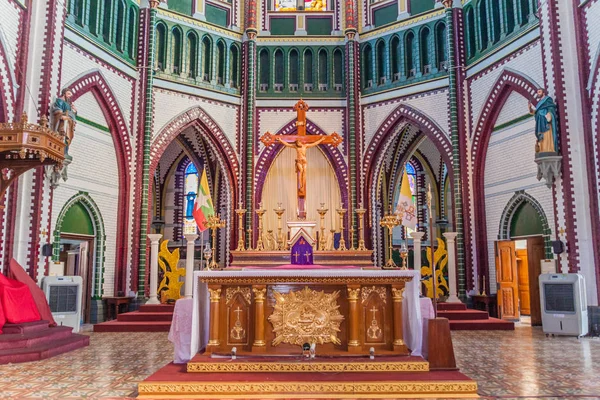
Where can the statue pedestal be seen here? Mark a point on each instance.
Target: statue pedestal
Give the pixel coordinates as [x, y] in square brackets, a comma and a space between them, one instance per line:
[308, 226]
[549, 165]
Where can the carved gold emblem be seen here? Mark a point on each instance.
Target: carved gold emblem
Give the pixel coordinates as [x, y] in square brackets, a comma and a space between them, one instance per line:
[306, 316]
[374, 330]
[237, 332]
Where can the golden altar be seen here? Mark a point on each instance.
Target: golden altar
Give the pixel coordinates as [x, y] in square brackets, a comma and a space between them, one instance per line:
[342, 311]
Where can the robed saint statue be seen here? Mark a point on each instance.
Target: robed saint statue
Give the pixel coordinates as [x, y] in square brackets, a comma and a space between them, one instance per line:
[546, 123]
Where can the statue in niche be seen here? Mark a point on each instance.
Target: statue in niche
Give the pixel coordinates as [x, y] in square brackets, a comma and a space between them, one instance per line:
[64, 116]
[546, 124]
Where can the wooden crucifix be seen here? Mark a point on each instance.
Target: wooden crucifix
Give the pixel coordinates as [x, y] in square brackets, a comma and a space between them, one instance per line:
[301, 142]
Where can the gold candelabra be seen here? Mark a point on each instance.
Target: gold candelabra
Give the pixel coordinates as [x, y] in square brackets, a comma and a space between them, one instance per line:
[240, 213]
[361, 232]
[322, 212]
[259, 243]
[214, 222]
[342, 211]
[390, 221]
[249, 237]
[280, 242]
[351, 230]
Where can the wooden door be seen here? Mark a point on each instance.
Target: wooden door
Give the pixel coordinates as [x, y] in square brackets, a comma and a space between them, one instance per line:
[535, 254]
[523, 278]
[506, 276]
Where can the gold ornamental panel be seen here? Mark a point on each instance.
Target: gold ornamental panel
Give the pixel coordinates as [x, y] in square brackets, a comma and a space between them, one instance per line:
[306, 316]
[232, 291]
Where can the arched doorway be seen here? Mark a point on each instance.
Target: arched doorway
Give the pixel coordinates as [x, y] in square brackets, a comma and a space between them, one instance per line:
[524, 241]
[78, 250]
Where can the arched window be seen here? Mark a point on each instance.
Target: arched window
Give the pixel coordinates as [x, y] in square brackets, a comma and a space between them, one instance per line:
[483, 25]
[338, 68]
[509, 16]
[191, 191]
[107, 18]
[279, 68]
[409, 48]
[264, 69]
[323, 64]
[206, 59]
[79, 11]
[381, 62]
[294, 67]
[132, 36]
[395, 58]
[496, 28]
[441, 46]
[221, 62]
[368, 65]
[308, 66]
[161, 46]
[412, 182]
[525, 11]
[93, 17]
[425, 50]
[235, 68]
[471, 39]
[192, 54]
[177, 36]
[120, 26]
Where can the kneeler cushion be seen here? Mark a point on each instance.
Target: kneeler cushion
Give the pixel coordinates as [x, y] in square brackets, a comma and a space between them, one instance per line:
[17, 302]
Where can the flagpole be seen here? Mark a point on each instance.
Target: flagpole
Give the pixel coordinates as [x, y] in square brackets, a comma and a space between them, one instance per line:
[201, 249]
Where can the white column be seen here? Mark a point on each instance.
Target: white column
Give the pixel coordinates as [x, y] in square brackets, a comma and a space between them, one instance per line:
[189, 264]
[154, 238]
[451, 246]
[417, 237]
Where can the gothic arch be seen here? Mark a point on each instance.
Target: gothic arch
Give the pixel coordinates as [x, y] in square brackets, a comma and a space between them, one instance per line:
[508, 213]
[509, 81]
[95, 83]
[268, 155]
[100, 238]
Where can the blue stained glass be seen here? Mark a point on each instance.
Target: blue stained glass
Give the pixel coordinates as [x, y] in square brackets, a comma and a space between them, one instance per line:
[410, 169]
[191, 169]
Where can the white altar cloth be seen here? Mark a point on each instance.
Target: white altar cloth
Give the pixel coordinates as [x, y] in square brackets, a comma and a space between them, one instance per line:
[412, 321]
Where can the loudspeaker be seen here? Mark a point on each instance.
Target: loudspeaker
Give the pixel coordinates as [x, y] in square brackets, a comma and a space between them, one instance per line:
[558, 247]
[47, 250]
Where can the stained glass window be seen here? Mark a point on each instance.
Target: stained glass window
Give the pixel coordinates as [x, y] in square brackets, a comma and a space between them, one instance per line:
[190, 192]
[412, 182]
[300, 5]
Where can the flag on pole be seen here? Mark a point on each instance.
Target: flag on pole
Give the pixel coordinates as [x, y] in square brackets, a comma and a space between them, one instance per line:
[203, 206]
[405, 204]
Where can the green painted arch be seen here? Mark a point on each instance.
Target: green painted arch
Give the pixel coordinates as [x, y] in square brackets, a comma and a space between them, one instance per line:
[77, 207]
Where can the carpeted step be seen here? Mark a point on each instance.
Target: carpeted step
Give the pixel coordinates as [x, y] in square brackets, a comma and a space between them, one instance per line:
[451, 306]
[25, 327]
[145, 316]
[45, 350]
[130, 326]
[157, 308]
[470, 315]
[35, 338]
[491, 324]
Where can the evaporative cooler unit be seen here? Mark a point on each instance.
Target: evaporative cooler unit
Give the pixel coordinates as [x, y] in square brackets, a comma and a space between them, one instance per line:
[564, 305]
[64, 297]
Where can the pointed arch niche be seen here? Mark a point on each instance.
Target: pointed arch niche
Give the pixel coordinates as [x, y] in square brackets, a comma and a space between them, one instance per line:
[321, 187]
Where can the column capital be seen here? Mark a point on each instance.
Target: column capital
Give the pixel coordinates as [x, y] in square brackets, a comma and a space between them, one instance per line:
[154, 237]
[190, 237]
[450, 236]
[447, 3]
[417, 235]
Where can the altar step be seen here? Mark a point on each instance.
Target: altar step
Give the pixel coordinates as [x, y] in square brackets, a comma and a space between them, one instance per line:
[463, 319]
[33, 341]
[367, 380]
[149, 318]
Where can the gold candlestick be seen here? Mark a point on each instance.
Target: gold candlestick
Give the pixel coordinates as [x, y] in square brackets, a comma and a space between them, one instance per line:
[352, 239]
[390, 221]
[280, 242]
[332, 233]
[240, 213]
[341, 211]
[259, 243]
[322, 212]
[250, 241]
[214, 222]
[361, 232]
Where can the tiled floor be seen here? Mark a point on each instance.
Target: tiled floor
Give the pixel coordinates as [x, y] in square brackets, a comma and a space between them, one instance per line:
[506, 364]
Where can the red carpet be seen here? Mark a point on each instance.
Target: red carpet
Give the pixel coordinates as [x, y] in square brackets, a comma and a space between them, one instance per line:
[149, 318]
[463, 319]
[35, 341]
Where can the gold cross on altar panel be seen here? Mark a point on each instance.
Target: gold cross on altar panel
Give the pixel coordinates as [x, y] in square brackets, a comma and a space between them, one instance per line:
[296, 254]
[307, 255]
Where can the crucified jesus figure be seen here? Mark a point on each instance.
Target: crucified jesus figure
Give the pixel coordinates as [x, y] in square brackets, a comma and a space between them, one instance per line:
[301, 160]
